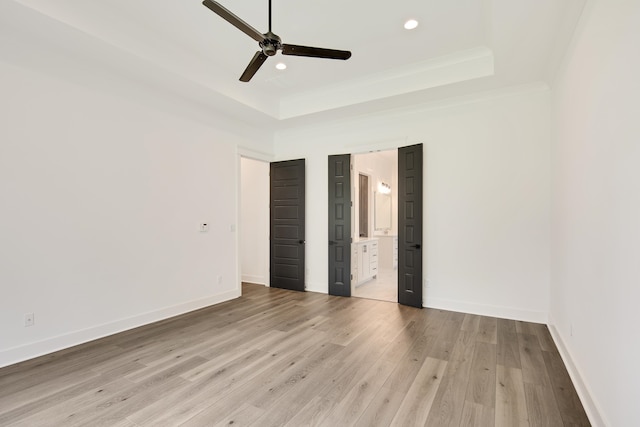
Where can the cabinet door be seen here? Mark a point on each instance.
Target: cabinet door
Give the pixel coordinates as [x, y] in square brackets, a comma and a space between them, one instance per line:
[363, 263]
[373, 259]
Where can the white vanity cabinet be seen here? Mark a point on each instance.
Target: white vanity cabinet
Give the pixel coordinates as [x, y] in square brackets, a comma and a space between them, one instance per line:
[366, 252]
[395, 252]
[388, 252]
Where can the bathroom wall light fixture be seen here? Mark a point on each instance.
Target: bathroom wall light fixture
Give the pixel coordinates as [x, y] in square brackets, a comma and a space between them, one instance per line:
[384, 188]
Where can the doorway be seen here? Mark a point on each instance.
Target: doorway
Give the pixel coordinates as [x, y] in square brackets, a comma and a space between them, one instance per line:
[254, 221]
[374, 251]
[384, 252]
[272, 223]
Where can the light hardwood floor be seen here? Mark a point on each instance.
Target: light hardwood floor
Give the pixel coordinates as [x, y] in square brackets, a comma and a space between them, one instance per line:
[281, 358]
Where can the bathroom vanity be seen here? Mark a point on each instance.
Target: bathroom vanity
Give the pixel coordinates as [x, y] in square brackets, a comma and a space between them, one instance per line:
[366, 254]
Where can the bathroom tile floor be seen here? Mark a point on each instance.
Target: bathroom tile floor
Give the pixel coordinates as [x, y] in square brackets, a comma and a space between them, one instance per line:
[384, 287]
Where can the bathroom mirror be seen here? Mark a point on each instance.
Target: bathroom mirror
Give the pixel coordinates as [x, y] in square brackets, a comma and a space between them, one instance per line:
[382, 208]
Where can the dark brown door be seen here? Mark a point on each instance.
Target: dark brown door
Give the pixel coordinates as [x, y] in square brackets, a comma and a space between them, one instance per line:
[287, 215]
[340, 225]
[410, 225]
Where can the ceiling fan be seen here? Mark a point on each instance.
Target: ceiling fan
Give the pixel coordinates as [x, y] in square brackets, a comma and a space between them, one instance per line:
[269, 42]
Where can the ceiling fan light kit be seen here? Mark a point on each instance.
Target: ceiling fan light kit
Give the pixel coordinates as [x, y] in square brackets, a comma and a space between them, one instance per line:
[269, 42]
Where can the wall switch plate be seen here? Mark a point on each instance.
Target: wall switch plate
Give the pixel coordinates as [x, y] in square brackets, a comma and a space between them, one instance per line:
[204, 227]
[29, 319]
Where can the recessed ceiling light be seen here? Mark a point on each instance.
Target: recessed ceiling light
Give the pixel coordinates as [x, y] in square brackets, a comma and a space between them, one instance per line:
[281, 66]
[410, 24]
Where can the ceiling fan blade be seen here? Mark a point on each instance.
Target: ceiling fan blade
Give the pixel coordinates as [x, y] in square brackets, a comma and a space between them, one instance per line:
[315, 52]
[233, 20]
[254, 66]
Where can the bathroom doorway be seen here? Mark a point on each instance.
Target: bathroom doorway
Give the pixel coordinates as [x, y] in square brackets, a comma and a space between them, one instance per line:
[382, 260]
[374, 251]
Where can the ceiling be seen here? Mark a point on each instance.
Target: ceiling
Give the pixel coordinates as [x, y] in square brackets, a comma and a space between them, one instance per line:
[460, 47]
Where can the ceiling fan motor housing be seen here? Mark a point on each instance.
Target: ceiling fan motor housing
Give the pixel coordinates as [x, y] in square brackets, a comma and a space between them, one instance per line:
[271, 44]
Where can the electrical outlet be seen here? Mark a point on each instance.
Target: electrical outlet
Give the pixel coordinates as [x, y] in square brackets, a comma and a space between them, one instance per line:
[29, 319]
[219, 280]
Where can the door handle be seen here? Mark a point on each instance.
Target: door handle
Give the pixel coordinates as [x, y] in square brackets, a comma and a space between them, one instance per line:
[331, 242]
[415, 246]
[302, 242]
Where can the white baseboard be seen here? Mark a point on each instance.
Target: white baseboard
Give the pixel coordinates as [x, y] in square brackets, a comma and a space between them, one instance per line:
[589, 404]
[489, 310]
[50, 345]
[258, 280]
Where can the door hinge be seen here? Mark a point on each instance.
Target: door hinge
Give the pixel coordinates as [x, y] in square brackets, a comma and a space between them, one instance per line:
[352, 277]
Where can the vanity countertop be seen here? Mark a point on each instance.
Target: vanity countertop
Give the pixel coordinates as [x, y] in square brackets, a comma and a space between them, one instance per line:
[365, 239]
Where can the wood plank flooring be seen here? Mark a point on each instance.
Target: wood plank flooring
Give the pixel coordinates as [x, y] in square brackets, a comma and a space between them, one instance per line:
[281, 358]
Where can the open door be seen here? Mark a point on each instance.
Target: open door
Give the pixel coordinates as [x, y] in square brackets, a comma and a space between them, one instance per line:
[287, 225]
[340, 225]
[410, 225]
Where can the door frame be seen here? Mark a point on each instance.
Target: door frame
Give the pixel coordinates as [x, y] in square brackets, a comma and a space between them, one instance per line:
[261, 157]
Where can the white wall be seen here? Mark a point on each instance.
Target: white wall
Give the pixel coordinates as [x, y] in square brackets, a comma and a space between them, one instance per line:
[486, 196]
[596, 211]
[254, 221]
[102, 197]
